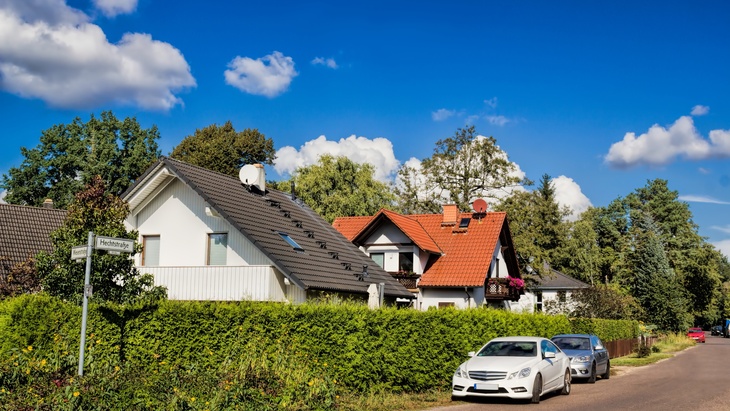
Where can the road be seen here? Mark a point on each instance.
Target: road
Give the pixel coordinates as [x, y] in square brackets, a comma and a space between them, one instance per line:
[697, 378]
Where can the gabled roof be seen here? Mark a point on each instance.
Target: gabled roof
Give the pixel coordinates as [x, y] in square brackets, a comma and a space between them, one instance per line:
[261, 217]
[24, 231]
[464, 254]
[555, 280]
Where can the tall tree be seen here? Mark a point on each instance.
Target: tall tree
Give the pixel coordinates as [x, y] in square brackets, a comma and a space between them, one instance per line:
[462, 168]
[113, 277]
[225, 150]
[338, 187]
[70, 155]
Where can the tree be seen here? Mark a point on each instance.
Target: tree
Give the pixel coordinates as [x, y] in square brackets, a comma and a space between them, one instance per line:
[606, 301]
[69, 156]
[113, 277]
[20, 278]
[338, 187]
[463, 168]
[223, 149]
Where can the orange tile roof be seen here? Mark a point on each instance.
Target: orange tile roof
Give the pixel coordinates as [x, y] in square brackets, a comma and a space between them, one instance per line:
[466, 253]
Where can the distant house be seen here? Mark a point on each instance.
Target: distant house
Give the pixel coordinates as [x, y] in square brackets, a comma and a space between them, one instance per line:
[209, 236]
[459, 259]
[25, 231]
[553, 286]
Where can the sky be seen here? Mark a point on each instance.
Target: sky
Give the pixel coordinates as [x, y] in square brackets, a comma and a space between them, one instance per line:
[602, 96]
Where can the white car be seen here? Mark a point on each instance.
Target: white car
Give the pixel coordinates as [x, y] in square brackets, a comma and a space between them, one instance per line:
[513, 367]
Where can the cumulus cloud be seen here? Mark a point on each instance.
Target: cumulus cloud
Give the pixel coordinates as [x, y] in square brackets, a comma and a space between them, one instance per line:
[568, 193]
[112, 8]
[378, 152]
[723, 246]
[492, 102]
[267, 76]
[2, 196]
[702, 199]
[497, 120]
[321, 61]
[57, 55]
[442, 114]
[699, 110]
[660, 146]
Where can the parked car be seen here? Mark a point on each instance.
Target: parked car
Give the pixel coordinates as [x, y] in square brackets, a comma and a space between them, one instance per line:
[716, 330]
[513, 367]
[589, 358]
[696, 334]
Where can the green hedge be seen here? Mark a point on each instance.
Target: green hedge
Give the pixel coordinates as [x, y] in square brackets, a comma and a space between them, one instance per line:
[397, 349]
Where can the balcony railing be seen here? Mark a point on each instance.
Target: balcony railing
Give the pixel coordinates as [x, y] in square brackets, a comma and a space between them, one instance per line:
[407, 279]
[499, 289]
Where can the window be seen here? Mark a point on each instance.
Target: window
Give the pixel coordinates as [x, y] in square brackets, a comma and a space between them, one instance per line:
[379, 259]
[538, 303]
[217, 248]
[405, 262]
[151, 250]
[444, 305]
[291, 242]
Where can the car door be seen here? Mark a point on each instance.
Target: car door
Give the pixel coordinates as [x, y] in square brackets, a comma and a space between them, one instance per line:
[551, 369]
[600, 353]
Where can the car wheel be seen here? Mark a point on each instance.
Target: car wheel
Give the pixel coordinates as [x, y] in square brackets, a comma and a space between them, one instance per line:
[536, 390]
[566, 383]
[592, 378]
[607, 374]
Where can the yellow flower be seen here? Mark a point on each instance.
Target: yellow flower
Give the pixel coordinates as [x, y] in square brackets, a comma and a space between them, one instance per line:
[43, 362]
[116, 368]
[311, 382]
[325, 364]
[192, 399]
[162, 363]
[30, 348]
[76, 393]
[27, 371]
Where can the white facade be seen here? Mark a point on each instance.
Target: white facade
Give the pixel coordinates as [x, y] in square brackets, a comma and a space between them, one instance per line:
[183, 221]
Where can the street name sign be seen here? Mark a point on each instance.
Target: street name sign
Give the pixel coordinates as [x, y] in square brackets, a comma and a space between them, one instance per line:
[78, 252]
[119, 245]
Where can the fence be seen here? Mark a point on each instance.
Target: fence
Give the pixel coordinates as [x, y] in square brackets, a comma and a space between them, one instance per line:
[620, 348]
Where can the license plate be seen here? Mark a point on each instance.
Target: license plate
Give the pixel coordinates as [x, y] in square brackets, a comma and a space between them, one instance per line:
[486, 387]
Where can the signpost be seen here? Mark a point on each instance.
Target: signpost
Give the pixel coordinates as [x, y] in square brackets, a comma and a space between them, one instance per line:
[113, 246]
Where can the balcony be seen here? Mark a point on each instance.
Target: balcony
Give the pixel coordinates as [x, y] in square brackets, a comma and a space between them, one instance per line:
[499, 289]
[408, 279]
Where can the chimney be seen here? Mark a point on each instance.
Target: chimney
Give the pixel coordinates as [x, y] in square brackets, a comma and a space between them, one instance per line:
[451, 213]
[47, 203]
[261, 180]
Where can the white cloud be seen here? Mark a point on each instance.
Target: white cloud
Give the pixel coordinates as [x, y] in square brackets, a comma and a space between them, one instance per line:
[497, 120]
[699, 110]
[442, 114]
[58, 56]
[723, 246]
[660, 145]
[724, 229]
[568, 193]
[378, 152]
[267, 76]
[702, 199]
[492, 102]
[321, 61]
[112, 8]
[3, 194]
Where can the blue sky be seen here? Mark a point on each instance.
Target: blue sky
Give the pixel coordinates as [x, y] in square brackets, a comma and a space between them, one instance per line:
[602, 96]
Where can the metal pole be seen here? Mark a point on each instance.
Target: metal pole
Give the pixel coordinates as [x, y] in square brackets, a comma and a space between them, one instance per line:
[87, 280]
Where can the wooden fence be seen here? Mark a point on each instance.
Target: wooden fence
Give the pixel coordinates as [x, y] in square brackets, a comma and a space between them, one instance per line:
[620, 348]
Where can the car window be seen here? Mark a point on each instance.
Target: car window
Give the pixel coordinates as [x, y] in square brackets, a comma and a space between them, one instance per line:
[509, 349]
[573, 343]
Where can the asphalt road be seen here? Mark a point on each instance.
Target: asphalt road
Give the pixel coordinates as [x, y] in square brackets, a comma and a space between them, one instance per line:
[695, 379]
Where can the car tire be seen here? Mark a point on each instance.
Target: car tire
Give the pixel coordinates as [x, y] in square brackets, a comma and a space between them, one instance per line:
[566, 383]
[607, 374]
[536, 389]
[592, 377]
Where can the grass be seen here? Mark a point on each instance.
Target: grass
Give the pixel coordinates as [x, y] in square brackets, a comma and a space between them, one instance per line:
[664, 348]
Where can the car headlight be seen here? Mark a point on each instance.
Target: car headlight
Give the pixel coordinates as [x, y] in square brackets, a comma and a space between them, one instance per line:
[525, 372]
[461, 371]
[582, 358]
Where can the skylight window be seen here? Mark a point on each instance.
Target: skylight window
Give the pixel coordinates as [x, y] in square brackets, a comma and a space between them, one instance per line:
[464, 222]
[291, 242]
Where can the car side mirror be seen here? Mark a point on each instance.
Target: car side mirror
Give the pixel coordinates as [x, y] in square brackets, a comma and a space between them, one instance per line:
[471, 353]
[549, 354]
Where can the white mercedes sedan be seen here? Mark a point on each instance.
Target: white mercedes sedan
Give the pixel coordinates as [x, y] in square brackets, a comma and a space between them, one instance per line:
[513, 367]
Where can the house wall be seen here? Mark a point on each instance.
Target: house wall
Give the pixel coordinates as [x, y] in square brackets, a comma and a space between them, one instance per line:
[391, 241]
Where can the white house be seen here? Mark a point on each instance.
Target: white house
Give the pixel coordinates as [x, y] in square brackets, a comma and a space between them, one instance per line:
[209, 236]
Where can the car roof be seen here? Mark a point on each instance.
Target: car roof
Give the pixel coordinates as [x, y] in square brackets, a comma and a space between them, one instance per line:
[574, 335]
[519, 338]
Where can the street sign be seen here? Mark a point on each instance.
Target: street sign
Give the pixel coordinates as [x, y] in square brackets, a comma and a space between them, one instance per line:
[78, 252]
[118, 245]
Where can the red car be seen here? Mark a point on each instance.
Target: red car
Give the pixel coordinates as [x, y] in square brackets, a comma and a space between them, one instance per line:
[696, 334]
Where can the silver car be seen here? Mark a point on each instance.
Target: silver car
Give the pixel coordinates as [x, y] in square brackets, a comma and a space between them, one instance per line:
[588, 356]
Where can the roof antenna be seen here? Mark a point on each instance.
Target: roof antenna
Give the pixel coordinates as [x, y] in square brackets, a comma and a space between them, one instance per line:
[293, 191]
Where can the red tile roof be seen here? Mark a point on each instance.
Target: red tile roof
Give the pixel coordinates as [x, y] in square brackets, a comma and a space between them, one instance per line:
[463, 254]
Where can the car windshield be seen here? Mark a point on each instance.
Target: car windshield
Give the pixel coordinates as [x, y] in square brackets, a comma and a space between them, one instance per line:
[509, 349]
[695, 330]
[573, 343]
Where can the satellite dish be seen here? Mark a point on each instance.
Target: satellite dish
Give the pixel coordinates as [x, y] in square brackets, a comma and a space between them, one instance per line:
[249, 175]
[479, 205]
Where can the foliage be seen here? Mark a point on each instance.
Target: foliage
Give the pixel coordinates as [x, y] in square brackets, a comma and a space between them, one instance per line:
[70, 155]
[113, 277]
[463, 167]
[606, 301]
[19, 278]
[339, 187]
[225, 150]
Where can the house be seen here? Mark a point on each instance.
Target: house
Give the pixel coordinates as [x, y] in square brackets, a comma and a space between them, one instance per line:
[553, 286]
[25, 231]
[210, 236]
[459, 259]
